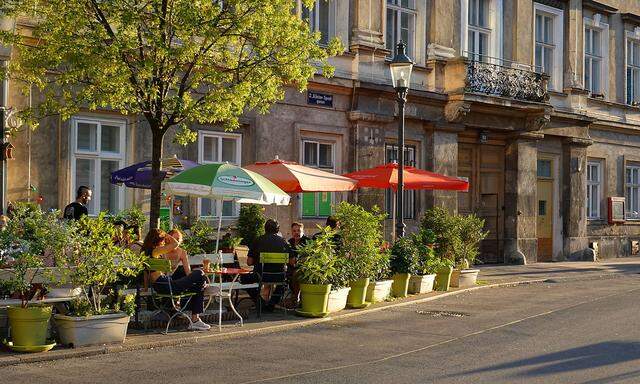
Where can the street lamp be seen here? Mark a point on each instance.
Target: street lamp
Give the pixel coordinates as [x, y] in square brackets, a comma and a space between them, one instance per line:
[401, 67]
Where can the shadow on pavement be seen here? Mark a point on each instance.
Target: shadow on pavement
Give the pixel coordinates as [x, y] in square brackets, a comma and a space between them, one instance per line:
[574, 359]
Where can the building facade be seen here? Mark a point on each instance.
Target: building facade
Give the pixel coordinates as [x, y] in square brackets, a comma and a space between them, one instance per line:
[537, 103]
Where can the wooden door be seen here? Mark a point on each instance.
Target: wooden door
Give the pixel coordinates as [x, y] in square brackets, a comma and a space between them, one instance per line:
[483, 165]
[545, 220]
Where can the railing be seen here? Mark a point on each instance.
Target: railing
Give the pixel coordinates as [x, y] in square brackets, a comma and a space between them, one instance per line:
[484, 76]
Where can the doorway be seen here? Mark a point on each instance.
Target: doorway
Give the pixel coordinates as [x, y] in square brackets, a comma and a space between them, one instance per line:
[544, 225]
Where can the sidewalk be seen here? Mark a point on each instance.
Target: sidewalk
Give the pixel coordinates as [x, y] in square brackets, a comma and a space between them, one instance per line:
[490, 276]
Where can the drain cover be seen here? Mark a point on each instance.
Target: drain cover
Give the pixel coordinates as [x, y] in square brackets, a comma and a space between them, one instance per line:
[442, 313]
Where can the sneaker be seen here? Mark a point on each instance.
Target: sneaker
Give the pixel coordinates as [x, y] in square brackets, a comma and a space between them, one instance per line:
[199, 326]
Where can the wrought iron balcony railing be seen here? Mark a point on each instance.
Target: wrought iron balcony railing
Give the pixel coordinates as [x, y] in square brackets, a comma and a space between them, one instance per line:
[484, 76]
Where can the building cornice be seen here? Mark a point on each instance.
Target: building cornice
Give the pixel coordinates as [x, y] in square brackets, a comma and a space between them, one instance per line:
[599, 7]
[631, 18]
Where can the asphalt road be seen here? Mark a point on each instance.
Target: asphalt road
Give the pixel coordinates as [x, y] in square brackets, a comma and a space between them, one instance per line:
[568, 332]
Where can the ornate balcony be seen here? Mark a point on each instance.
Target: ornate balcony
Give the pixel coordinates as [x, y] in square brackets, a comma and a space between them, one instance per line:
[499, 80]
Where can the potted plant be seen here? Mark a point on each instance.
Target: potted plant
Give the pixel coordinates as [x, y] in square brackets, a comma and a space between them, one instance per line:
[94, 264]
[402, 263]
[361, 233]
[340, 284]
[200, 239]
[424, 273]
[379, 280]
[316, 270]
[30, 240]
[250, 223]
[228, 243]
[471, 234]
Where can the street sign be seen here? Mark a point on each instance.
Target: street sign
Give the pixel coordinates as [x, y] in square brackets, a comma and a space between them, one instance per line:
[321, 99]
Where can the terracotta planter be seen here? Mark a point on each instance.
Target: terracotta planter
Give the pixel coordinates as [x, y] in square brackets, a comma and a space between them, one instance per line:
[379, 290]
[338, 299]
[468, 278]
[92, 330]
[421, 283]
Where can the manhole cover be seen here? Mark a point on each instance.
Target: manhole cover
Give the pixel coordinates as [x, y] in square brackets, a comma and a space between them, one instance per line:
[442, 313]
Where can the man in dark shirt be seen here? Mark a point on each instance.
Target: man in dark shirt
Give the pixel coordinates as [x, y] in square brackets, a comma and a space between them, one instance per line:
[298, 239]
[269, 242]
[333, 223]
[78, 208]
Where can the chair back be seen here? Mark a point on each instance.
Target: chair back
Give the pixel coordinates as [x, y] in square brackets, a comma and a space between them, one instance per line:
[159, 265]
[274, 257]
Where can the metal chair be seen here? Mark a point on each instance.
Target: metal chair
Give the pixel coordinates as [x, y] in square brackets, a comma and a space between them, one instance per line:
[273, 279]
[164, 266]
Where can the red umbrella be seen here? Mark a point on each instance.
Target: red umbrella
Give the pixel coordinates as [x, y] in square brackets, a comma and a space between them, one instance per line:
[386, 176]
[294, 178]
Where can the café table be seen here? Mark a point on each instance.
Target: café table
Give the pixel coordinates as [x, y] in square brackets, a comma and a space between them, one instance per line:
[226, 290]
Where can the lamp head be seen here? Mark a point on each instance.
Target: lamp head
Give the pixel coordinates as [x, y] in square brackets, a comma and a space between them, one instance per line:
[401, 67]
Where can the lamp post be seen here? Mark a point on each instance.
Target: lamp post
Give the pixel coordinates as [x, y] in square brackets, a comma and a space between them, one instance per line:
[401, 67]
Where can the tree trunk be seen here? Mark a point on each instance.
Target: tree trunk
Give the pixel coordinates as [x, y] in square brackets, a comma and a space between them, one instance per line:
[156, 181]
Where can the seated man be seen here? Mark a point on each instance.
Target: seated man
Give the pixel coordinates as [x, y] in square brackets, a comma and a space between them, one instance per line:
[333, 223]
[298, 239]
[269, 242]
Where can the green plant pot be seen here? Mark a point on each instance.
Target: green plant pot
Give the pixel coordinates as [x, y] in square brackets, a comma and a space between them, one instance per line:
[400, 285]
[29, 325]
[358, 293]
[443, 279]
[314, 300]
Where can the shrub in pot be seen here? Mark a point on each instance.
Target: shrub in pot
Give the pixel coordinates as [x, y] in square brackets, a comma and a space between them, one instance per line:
[402, 263]
[31, 240]
[361, 233]
[423, 276]
[94, 264]
[200, 239]
[380, 277]
[340, 287]
[250, 223]
[316, 270]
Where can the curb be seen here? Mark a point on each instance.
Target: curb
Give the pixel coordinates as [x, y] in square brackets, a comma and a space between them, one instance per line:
[94, 351]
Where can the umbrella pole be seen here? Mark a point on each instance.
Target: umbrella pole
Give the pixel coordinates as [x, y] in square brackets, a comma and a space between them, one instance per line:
[219, 204]
[393, 227]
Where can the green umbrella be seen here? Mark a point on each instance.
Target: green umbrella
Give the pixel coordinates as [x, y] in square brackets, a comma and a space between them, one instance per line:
[226, 182]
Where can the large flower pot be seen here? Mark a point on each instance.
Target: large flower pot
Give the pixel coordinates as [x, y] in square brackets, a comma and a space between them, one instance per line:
[29, 325]
[338, 299]
[379, 290]
[400, 285]
[314, 300]
[92, 330]
[358, 293]
[468, 278]
[455, 278]
[421, 283]
[443, 279]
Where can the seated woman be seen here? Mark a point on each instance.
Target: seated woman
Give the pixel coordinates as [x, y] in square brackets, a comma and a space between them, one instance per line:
[178, 257]
[159, 244]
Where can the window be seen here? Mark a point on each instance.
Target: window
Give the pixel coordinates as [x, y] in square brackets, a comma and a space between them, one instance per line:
[544, 169]
[594, 180]
[214, 147]
[548, 43]
[632, 182]
[479, 29]
[321, 18]
[401, 19]
[633, 71]
[317, 154]
[596, 54]
[98, 149]
[391, 155]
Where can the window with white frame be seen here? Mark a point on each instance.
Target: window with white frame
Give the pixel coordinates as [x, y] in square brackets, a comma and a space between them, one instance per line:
[218, 147]
[479, 29]
[632, 186]
[549, 43]
[594, 182]
[633, 71]
[321, 155]
[595, 56]
[321, 18]
[98, 149]
[401, 24]
[409, 197]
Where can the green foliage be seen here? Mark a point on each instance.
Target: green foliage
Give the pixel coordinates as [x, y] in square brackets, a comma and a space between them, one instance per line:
[381, 268]
[201, 239]
[251, 223]
[404, 256]
[31, 240]
[132, 216]
[83, 307]
[95, 261]
[229, 242]
[361, 233]
[457, 237]
[317, 259]
[427, 262]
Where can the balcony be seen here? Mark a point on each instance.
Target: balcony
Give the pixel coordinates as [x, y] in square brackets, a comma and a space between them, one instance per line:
[484, 76]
